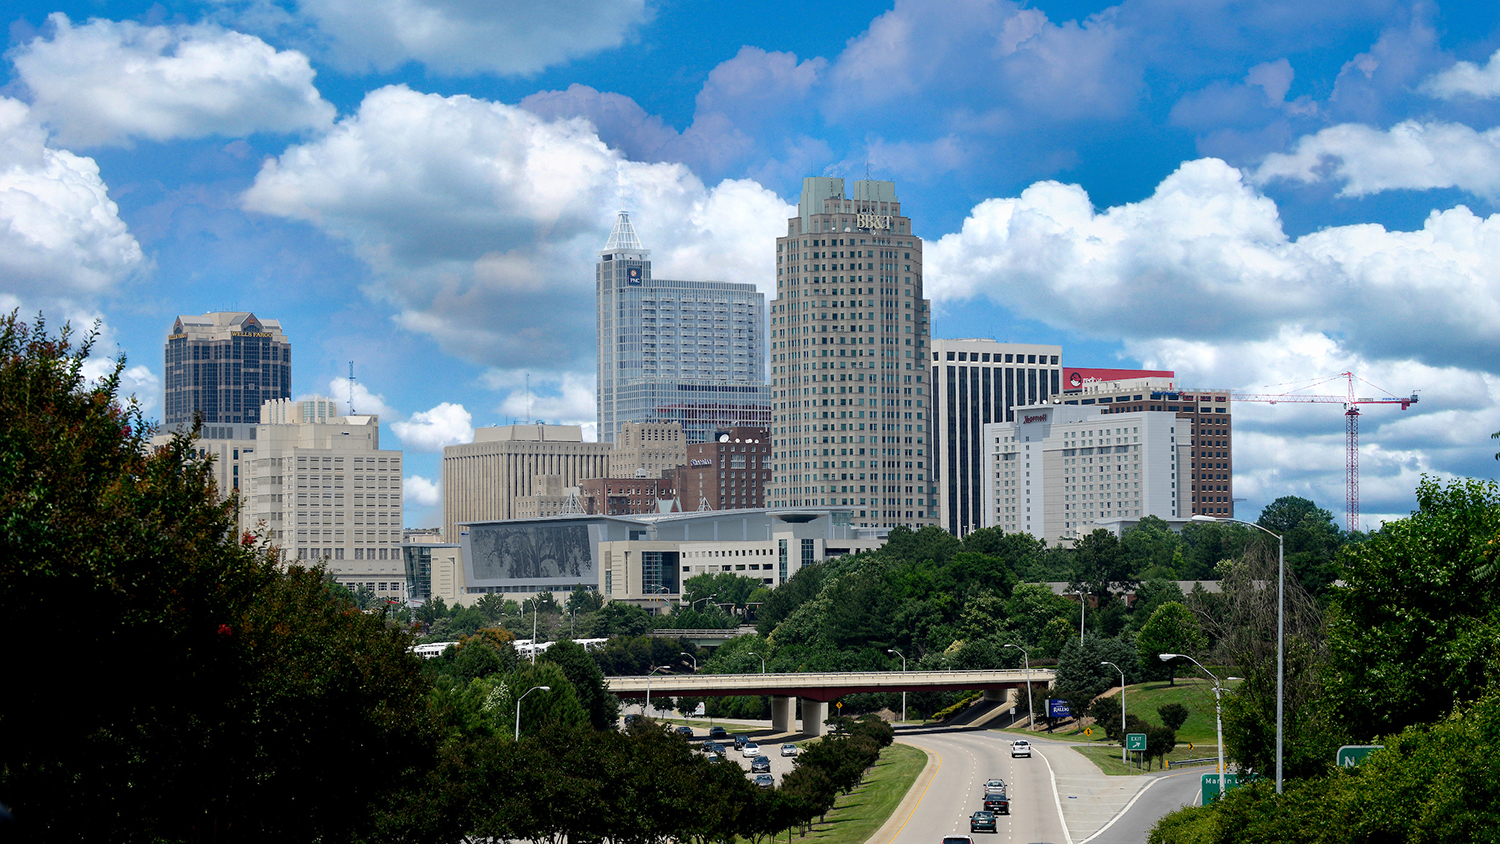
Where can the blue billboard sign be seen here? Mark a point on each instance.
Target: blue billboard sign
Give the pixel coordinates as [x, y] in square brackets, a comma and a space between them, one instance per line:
[1058, 709]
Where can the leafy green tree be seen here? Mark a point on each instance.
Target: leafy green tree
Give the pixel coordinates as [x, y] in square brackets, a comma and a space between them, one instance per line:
[585, 600]
[432, 610]
[1173, 715]
[1101, 567]
[587, 680]
[1151, 546]
[207, 688]
[1029, 610]
[1150, 595]
[618, 618]
[1079, 666]
[1413, 630]
[1311, 539]
[1171, 629]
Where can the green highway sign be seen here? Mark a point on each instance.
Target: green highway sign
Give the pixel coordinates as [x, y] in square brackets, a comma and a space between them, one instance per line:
[1352, 754]
[1211, 789]
[1135, 741]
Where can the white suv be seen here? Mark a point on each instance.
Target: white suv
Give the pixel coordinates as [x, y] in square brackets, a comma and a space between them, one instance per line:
[1020, 747]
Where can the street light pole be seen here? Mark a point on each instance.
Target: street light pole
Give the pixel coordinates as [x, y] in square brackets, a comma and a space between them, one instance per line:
[1280, 628]
[647, 711]
[1123, 757]
[762, 661]
[903, 671]
[1218, 710]
[693, 658]
[518, 706]
[1030, 714]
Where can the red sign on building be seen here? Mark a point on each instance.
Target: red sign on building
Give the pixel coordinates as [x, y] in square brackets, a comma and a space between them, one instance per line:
[1077, 379]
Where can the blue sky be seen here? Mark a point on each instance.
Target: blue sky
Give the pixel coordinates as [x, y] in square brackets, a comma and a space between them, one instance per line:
[1256, 195]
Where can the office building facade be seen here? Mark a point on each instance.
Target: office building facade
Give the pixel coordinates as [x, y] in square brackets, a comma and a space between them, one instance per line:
[1055, 469]
[322, 488]
[626, 496]
[975, 383]
[224, 366]
[483, 480]
[849, 348]
[1209, 419]
[689, 352]
[648, 449]
[729, 472]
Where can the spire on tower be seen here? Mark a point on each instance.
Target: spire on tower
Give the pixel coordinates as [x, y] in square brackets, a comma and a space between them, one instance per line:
[622, 238]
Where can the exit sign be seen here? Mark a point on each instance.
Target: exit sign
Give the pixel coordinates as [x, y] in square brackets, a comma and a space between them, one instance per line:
[1135, 741]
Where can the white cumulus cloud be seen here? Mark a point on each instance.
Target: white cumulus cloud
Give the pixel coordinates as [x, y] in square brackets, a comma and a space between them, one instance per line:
[430, 430]
[61, 236]
[520, 37]
[417, 491]
[108, 82]
[1466, 79]
[1201, 278]
[365, 402]
[1410, 155]
[483, 221]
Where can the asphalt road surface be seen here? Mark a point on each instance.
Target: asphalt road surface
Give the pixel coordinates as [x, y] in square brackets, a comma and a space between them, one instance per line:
[965, 761]
[1055, 796]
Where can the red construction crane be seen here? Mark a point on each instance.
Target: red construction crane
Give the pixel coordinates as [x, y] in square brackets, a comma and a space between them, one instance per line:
[1351, 404]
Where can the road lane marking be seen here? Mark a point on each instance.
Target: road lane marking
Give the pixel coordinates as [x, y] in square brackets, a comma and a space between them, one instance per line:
[897, 833]
[1067, 836]
[1121, 813]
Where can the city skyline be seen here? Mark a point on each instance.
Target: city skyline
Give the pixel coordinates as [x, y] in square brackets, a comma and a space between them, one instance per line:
[1254, 201]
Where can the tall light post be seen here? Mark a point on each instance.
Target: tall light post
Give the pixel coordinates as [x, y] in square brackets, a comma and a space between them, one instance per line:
[647, 711]
[903, 671]
[518, 706]
[694, 604]
[1218, 710]
[762, 661]
[1030, 715]
[1280, 627]
[693, 658]
[1123, 757]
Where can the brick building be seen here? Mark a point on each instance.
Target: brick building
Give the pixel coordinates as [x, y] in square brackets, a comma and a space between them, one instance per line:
[729, 472]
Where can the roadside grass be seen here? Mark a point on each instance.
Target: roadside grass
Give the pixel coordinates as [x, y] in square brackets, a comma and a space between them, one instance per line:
[1143, 699]
[857, 815]
[1107, 758]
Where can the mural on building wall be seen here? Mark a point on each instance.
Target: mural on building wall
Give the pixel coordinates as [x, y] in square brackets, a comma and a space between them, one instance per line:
[529, 553]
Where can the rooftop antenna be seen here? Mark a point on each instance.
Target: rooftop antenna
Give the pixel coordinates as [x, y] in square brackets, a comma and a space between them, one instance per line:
[351, 388]
[529, 420]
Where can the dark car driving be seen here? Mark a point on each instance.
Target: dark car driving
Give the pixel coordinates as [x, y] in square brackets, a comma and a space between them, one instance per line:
[760, 765]
[982, 822]
[998, 803]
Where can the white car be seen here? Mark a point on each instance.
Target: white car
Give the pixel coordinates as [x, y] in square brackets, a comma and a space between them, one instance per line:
[789, 749]
[751, 749]
[1020, 747]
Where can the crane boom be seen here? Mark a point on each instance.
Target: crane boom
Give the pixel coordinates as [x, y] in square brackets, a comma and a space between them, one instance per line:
[1351, 404]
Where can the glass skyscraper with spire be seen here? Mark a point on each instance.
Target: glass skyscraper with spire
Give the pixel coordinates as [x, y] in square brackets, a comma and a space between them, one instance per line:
[691, 352]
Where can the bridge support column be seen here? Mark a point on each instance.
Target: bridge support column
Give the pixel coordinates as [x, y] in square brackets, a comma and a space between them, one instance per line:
[783, 713]
[814, 713]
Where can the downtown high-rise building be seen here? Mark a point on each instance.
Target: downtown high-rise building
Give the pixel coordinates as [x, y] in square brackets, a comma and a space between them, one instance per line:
[224, 366]
[976, 383]
[849, 346]
[690, 352]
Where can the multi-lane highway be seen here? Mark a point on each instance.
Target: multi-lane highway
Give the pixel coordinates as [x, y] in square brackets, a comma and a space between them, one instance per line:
[1055, 796]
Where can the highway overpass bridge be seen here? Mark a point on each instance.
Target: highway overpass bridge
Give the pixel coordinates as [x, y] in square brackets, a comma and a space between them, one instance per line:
[817, 690]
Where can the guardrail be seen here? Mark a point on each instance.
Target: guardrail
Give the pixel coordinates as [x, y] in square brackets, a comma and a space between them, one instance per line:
[1188, 763]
